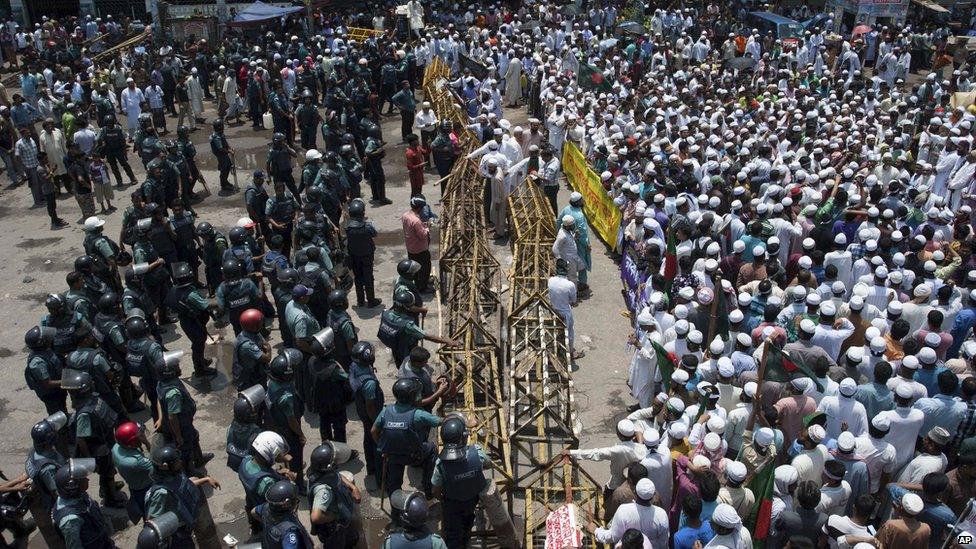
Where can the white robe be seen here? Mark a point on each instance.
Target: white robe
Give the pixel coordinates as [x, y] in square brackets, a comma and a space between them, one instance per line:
[643, 367]
[195, 91]
[513, 82]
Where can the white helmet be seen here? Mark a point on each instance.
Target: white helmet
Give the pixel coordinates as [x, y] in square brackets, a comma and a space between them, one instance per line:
[269, 445]
[312, 154]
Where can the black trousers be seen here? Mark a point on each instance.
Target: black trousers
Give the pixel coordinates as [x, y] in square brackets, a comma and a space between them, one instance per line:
[169, 97]
[456, 521]
[377, 181]
[393, 472]
[423, 275]
[116, 158]
[297, 463]
[333, 426]
[52, 206]
[362, 272]
[406, 123]
[197, 335]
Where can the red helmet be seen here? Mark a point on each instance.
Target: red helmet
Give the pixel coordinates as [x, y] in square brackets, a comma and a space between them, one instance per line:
[127, 434]
[252, 320]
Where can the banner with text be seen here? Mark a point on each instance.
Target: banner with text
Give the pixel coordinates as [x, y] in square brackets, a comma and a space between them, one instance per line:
[601, 213]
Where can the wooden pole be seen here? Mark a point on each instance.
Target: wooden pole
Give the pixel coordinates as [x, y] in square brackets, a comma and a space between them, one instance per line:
[757, 402]
[713, 314]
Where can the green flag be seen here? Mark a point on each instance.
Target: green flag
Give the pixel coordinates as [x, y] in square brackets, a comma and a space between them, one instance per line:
[590, 78]
[665, 364]
[782, 367]
[759, 519]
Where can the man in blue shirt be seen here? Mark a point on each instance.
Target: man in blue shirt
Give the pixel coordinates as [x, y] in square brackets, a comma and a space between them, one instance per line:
[935, 513]
[964, 322]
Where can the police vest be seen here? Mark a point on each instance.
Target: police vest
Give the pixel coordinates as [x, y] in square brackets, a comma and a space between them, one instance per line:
[399, 439]
[237, 297]
[163, 389]
[37, 464]
[271, 263]
[399, 540]
[464, 479]
[103, 420]
[282, 209]
[329, 392]
[280, 161]
[105, 326]
[83, 360]
[357, 379]
[113, 139]
[239, 439]
[54, 368]
[242, 376]
[211, 251]
[161, 239]
[342, 502]
[274, 405]
[93, 533]
[337, 320]
[314, 276]
[257, 200]
[65, 326]
[75, 300]
[186, 494]
[91, 241]
[277, 527]
[137, 360]
[392, 332]
[176, 299]
[359, 241]
[183, 227]
[251, 481]
[148, 149]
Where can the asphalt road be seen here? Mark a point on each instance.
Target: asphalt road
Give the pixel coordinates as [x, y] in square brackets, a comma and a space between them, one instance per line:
[36, 260]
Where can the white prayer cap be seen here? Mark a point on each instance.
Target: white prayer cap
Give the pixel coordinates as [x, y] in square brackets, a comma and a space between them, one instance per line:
[725, 367]
[846, 442]
[645, 489]
[736, 315]
[716, 424]
[816, 433]
[700, 461]
[927, 355]
[626, 428]
[678, 431]
[736, 471]
[651, 437]
[750, 388]
[848, 387]
[912, 504]
[764, 436]
[712, 442]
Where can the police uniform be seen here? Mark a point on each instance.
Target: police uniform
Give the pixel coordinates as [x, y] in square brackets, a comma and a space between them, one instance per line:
[143, 358]
[366, 388]
[352, 170]
[329, 494]
[422, 539]
[40, 467]
[375, 174]
[237, 296]
[239, 439]
[361, 247]
[282, 297]
[328, 395]
[80, 302]
[255, 198]
[94, 422]
[65, 324]
[256, 481]
[189, 153]
[280, 167]
[186, 242]
[243, 254]
[404, 431]
[80, 523]
[156, 281]
[221, 149]
[345, 335]
[97, 365]
[175, 493]
[423, 377]
[461, 482]
[212, 254]
[284, 403]
[307, 118]
[281, 530]
[138, 298]
[273, 263]
[247, 371]
[44, 365]
[175, 159]
[280, 108]
[135, 469]
[400, 332]
[110, 334]
[113, 148]
[192, 310]
[282, 210]
[174, 399]
[102, 249]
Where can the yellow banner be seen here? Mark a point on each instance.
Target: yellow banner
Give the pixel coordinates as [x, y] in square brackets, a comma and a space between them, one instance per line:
[601, 213]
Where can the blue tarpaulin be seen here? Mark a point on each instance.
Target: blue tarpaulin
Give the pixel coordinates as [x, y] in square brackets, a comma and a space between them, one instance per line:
[259, 12]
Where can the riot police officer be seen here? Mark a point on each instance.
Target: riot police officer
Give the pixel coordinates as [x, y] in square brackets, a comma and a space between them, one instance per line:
[77, 299]
[105, 374]
[193, 311]
[280, 211]
[134, 466]
[91, 284]
[181, 222]
[252, 352]
[352, 170]
[188, 151]
[458, 480]
[44, 367]
[301, 322]
[332, 500]
[317, 277]
[281, 527]
[42, 462]
[328, 391]
[361, 247]
[159, 532]
[240, 250]
[310, 171]
[176, 411]
[285, 407]
[343, 328]
[274, 261]
[92, 423]
[368, 396]
[287, 279]
[374, 154]
[77, 517]
[111, 142]
[411, 511]
[236, 293]
[214, 244]
[255, 199]
[221, 149]
[257, 471]
[281, 113]
[65, 323]
[249, 411]
[173, 491]
[400, 332]
[104, 251]
[407, 270]
[156, 274]
[279, 163]
[136, 298]
[416, 367]
[307, 117]
[111, 336]
[401, 432]
[143, 359]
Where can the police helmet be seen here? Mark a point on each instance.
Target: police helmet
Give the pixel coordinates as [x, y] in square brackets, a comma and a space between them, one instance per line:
[182, 273]
[313, 253]
[408, 268]
[128, 434]
[282, 497]
[108, 303]
[338, 299]
[412, 506]
[357, 208]
[55, 303]
[108, 120]
[404, 298]
[306, 229]
[278, 137]
[323, 342]
[45, 432]
[244, 411]
[136, 327]
[205, 229]
[158, 531]
[288, 276]
[71, 479]
[323, 457]
[182, 131]
[313, 194]
[331, 156]
[454, 435]
[363, 352]
[218, 124]
[237, 235]
[232, 269]
[282, 367]
[269, 445]
[166, 458]
[406, 390]
[171, 364]
[76, 382]
[84, 263]
[39, 337]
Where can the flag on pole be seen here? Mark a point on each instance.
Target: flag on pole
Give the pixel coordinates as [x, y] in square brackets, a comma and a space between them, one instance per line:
[760, 519]
[782, 367]
[665, 364]
[590, 78]
[670, 263]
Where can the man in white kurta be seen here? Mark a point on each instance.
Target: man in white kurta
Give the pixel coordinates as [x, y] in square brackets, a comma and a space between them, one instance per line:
[132, 98]
[658, 465]
[513, 82]
[643, 365]
[842, 409]
[195, 91]
[642, 515]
